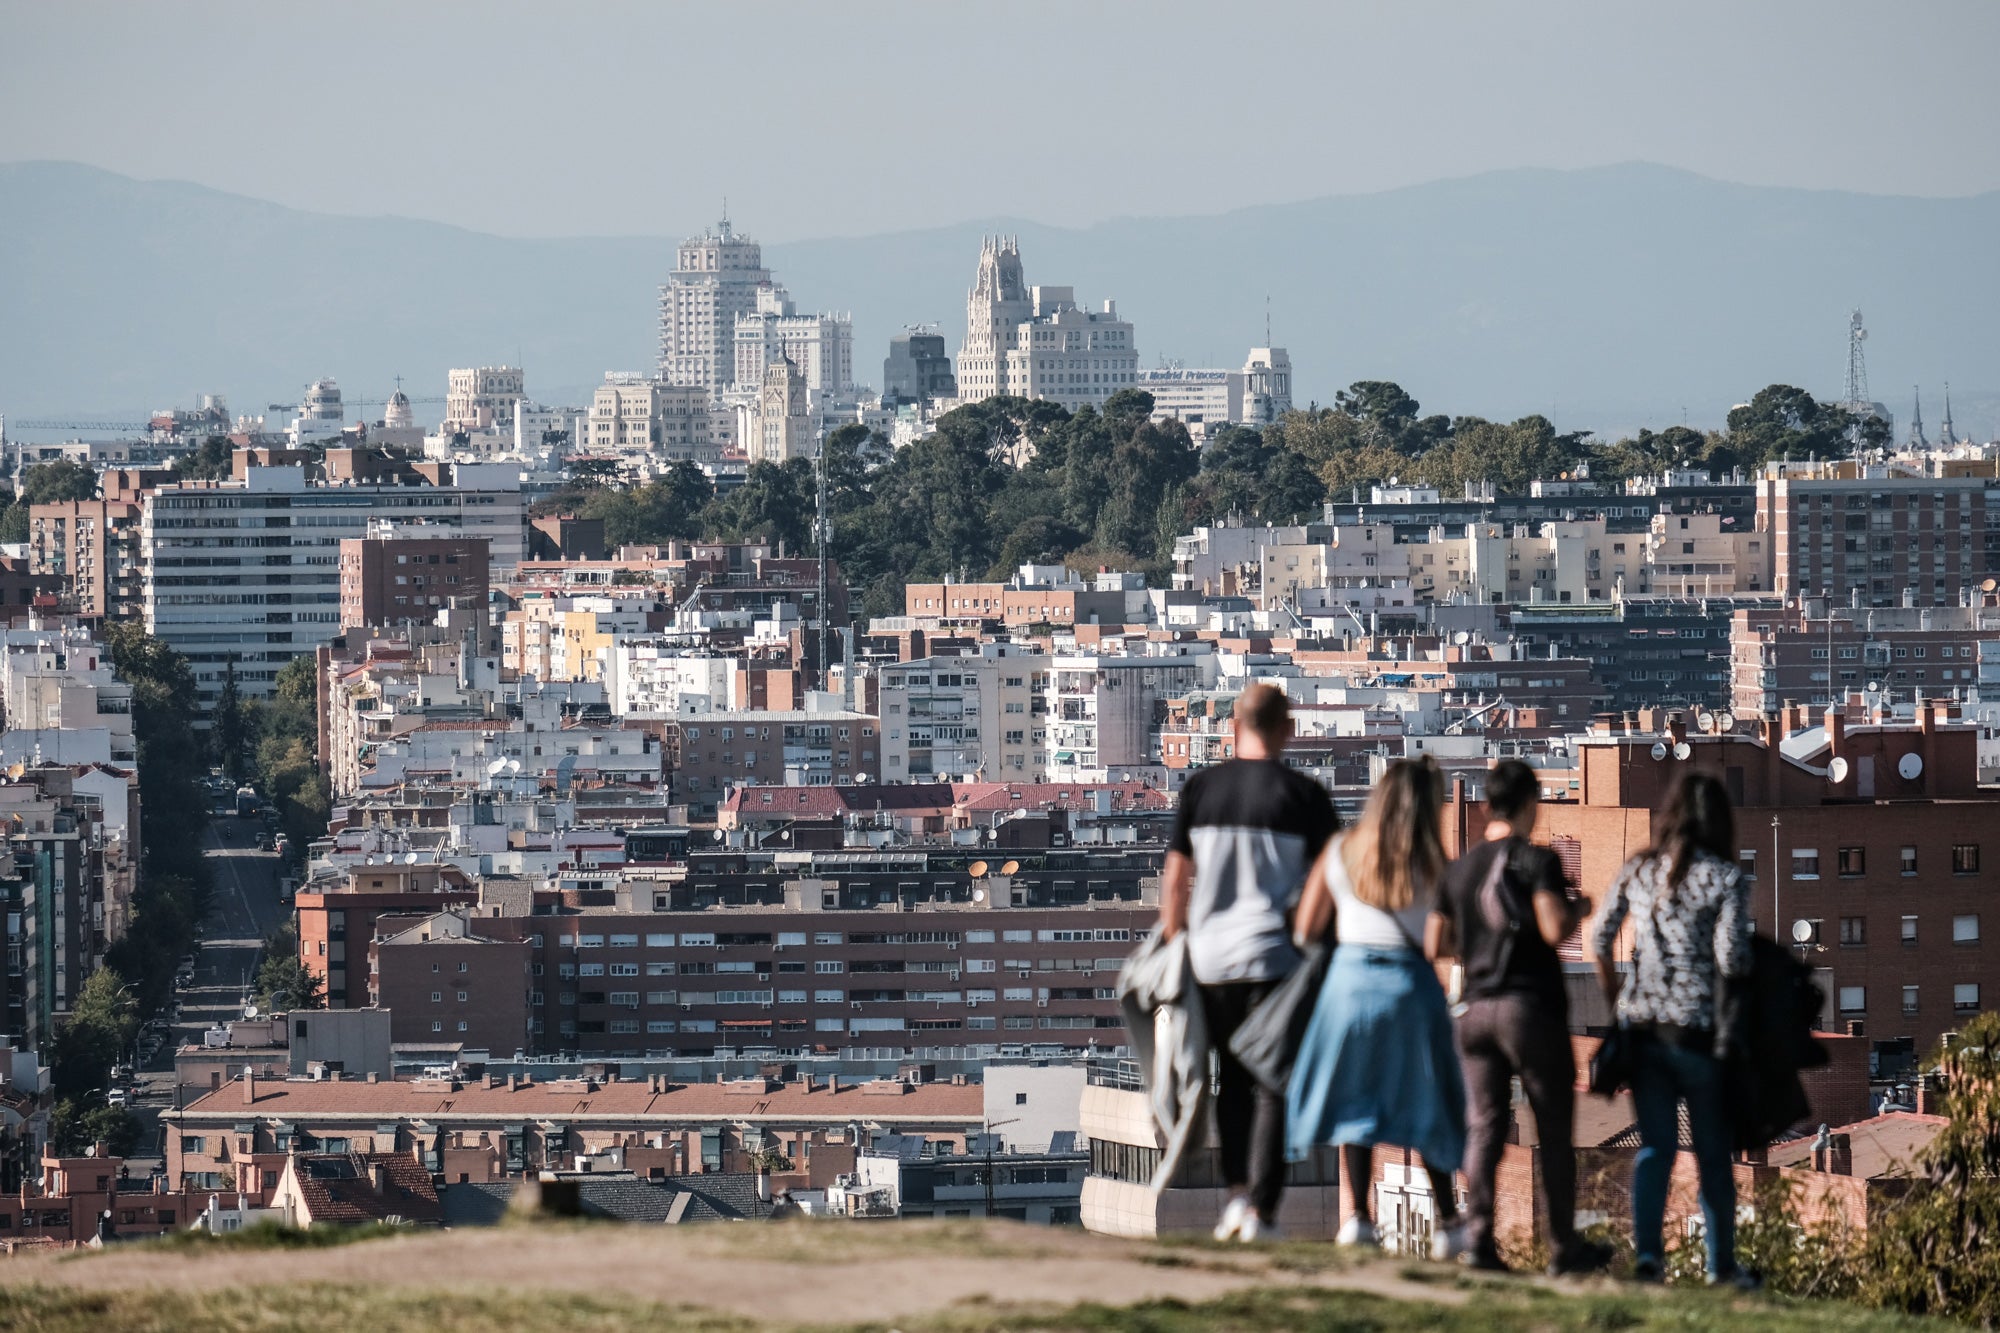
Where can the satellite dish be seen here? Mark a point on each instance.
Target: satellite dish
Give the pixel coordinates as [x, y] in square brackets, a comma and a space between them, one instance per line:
[1010, 867]
[977, 870]
[979, 895]
[1705, 720]
[497, 767]
[1659, 750]
[1682, 750]
[1836, 771]
[1802, 932]
[1464, 637]
[1725, 722]
[1874, 687]
[409, 858]
[249, 1011]
[1989, 585]
[1911, 766]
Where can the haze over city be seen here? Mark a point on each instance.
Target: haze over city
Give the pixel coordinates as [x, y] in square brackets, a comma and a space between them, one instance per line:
[1072, 666]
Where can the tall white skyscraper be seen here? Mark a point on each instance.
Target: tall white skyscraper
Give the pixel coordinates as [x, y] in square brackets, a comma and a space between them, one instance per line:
[821, 345]
[715, 280]
[1037, 342]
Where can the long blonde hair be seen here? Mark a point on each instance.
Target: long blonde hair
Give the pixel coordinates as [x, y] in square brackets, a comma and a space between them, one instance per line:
[1395, 847]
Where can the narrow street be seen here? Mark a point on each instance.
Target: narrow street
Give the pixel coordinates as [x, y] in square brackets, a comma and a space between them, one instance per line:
[247, 908]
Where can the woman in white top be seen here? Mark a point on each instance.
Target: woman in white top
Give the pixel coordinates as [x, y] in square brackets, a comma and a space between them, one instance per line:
[1379, 1063]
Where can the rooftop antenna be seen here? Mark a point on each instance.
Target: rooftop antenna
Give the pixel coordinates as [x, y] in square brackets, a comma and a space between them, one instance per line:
[1856, 401]
[1267, 319]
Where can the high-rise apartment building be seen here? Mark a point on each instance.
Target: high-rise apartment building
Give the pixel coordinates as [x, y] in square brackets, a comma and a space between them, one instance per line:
[248, 572]
[1038, 342]
[784, 426]
[821, 346]
[483, 398]
[716, 279]
[1884, 541]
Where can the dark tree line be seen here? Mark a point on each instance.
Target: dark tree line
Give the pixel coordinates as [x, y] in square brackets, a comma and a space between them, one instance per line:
[1008, 481]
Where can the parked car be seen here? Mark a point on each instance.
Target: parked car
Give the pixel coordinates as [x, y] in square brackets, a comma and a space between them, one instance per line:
[117, 1097]
[267, 844]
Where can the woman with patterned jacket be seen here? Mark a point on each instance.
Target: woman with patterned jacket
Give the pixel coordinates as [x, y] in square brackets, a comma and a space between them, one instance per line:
[1690, 929]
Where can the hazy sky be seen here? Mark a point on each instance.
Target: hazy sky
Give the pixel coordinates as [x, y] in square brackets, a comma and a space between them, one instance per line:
[815, 119]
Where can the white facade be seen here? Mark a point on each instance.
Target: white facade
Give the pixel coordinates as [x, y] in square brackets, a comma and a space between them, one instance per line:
[482, 398]
[965, 719]
[821, 345]
[1039, 343]
[249, 571]
[632, 415]
[321, 415]
[652, 678]
[1204, 400]
[782, 426]
[716, 279]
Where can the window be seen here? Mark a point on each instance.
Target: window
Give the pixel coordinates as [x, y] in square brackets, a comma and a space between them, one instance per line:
[1909, 930]
[1852, 860]
[1909, 999]
[1854, 930]
[1746, 862]
[1805, 863]
[1909, 861]
[1965, 858]
[1853, 999]
[1965, 997]
[828, 966]
[1965, 929]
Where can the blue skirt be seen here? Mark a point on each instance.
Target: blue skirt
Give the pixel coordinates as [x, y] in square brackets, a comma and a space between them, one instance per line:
[1379, 1063]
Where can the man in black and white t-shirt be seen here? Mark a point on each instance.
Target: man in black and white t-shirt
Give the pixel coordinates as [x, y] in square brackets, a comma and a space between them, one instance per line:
[1248, 832]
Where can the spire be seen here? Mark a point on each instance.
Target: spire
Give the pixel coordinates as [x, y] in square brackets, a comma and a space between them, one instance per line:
[1917, 439]
[1945, 435]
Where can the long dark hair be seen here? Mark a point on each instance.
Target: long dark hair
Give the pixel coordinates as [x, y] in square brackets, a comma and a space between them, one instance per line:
[1695, 818]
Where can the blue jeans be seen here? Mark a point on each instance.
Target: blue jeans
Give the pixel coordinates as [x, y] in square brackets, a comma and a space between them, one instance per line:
[1663, 1076]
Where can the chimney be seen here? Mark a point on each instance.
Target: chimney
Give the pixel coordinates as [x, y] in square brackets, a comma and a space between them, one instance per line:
[1840, 1156]
[1836, 731]
[763, 1184]
[249, 1086]
[833, 1083]
[374, 1077]
[512, 1081]
[378, 1178]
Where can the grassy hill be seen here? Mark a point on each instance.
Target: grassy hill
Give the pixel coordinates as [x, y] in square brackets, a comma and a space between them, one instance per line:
[952, 1277]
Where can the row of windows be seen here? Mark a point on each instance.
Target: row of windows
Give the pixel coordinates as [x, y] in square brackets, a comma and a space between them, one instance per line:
[1851, 862]
[1854, 930]
[1964, 999]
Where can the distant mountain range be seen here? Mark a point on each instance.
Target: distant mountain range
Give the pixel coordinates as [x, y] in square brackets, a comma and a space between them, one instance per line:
[1607, 298]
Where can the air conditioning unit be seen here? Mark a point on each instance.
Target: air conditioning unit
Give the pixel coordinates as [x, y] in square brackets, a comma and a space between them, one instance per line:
[1041, 1004]
[951, 944]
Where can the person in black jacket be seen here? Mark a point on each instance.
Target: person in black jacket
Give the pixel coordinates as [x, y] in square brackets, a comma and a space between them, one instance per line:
[1506, 907]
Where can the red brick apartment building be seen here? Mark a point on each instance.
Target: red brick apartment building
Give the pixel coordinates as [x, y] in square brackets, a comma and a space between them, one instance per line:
[1806, 654]
[66, 1206]
[387, 580]
[1890, 856]
[487, 1128]
[1926, 539]
[333, 923]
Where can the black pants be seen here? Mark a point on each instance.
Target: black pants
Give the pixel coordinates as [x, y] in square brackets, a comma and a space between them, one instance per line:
[1249, 1118]
[1499, 1039]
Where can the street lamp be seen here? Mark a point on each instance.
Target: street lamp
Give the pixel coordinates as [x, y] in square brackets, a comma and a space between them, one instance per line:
[1775, 917]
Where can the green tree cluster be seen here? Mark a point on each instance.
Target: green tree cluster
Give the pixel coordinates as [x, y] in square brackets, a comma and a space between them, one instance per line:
[208, 461]
[1008, 481]
[286, 732]
[172, 897]
[283, 983]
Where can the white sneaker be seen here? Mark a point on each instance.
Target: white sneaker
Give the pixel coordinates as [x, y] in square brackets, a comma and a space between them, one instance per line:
[1448, 1243]
[1357, 1232]
[1233, 1214]
[1256, 1229]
